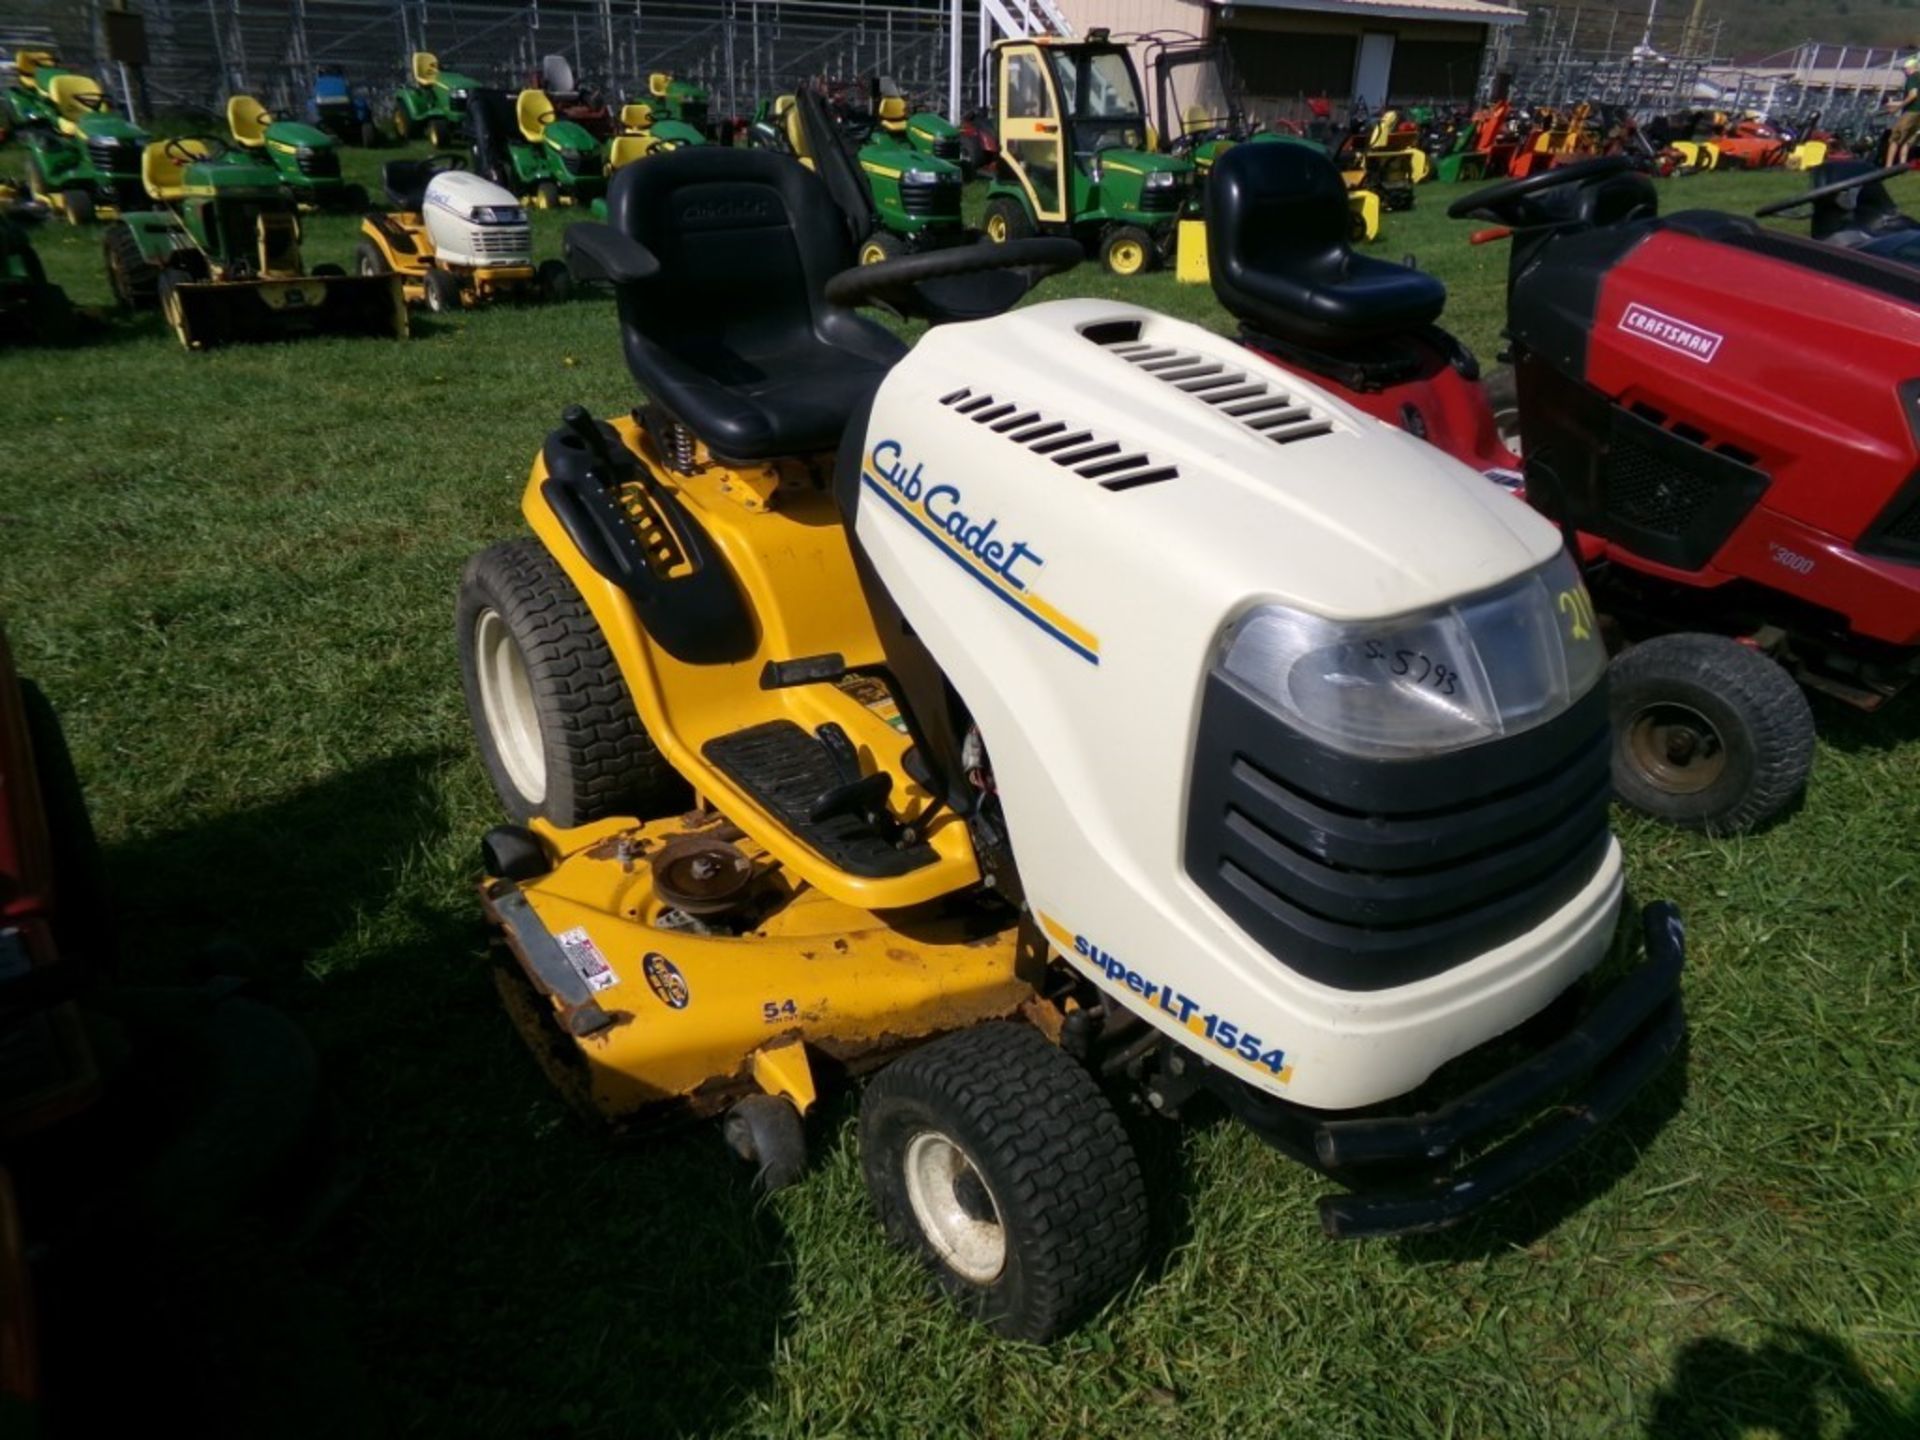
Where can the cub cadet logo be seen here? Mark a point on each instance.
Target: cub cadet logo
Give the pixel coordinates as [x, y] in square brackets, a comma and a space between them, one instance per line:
[1006, 567]
[664, 979]
[701, 211]
[1689, 340]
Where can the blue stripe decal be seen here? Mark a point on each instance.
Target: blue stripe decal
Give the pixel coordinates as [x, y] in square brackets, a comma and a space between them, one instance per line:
[978, 578]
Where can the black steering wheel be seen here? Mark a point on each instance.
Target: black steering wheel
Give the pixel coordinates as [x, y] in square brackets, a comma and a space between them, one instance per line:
[921, 285]
[1488, 201]
[1822, 192]
[93, 100]
[177, 149]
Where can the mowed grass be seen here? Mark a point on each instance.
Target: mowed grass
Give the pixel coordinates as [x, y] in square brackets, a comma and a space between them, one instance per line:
[234, 574]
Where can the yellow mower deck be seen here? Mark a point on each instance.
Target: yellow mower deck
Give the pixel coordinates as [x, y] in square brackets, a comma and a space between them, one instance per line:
[673, 1020]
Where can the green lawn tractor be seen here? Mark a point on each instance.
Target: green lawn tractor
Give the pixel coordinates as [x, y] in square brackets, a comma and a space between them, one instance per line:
[897, 200]
[33, 310]
[306, 157]
[434, 107]
[921, 131]
[219, 254]
[86, 164]
[686, 101]
[1078, 157]
[526, 147]
[28, 106]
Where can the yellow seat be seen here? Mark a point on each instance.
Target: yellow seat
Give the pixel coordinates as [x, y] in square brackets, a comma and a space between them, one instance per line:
[426, 69]
[75, 96]
[636, 117]
[248, 119]
[531, 111]
[163, 171]
[626, 149]
[893, 112]
[796, 132]
[657, 84]
[27, 62]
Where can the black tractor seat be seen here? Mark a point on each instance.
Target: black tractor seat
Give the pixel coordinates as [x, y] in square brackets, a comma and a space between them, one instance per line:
[1277, 227]
[733, 335]
[405, 181]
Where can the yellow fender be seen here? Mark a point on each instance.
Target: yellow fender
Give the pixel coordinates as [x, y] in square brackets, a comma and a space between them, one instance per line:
[1807, 155]
[1364, 210]
[1422, 165]
[1190, 265]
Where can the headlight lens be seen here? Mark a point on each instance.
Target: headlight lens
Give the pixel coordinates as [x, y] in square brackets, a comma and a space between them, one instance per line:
[1160, 180]
[498, 215]
[920, 177]
[1490, 665]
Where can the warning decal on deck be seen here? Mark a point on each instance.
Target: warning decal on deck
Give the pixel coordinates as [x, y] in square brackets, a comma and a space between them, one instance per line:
[586, 959]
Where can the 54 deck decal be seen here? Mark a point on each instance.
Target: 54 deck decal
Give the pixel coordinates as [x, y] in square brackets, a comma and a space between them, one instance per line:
[1193, 1015]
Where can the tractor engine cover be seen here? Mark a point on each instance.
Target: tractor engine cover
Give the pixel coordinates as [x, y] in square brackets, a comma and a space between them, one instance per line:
[474, 222]
[1298, 724]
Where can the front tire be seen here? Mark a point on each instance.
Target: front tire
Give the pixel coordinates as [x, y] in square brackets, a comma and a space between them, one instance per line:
[443, 292]
[79, 206]
[993, 1156]
[1006, 219]
[436, 135]
[1708, 734]
[881, 246]
[1128, 250]
[555, 282]
[552, 716]
[547, 194]
[370, 259]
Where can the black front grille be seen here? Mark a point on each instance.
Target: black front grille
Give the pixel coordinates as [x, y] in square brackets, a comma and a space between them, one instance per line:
[938, 201]
[1652, 491]
[580, 162]
[114, 157]
[946, 147]
[1365, 874]
[1163, 200]
[319, 164]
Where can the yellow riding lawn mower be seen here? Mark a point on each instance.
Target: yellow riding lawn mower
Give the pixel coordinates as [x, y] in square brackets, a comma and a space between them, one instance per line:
[454, 239]
[1076, 711]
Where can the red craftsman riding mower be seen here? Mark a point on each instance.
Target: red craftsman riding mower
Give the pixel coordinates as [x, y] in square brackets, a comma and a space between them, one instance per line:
[1747, 515]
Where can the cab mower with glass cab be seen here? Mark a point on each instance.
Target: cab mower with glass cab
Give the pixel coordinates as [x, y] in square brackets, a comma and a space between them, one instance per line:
[307, 158]
[1020, 722]
[434, 107]
[1736, 542]
[85, 165]
[1077, 157]
[454, 239]
[220, 255]
[897, 201]
[524, 146]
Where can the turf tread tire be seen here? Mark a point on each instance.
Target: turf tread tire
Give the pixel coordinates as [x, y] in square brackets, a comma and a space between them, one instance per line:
[1062, 1170]
[134, 279]
[1759, 710]
[600, 761]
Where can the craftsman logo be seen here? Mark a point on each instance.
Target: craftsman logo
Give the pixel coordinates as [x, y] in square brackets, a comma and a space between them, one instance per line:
[1689, 340]
[663, 978]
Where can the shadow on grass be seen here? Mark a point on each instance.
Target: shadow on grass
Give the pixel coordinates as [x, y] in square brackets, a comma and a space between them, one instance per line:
[1854, 731]
[1800, 1385]
[504, 1267]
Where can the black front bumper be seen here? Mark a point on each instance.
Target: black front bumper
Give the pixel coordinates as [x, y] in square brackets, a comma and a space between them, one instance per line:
[1408, 1173]
[1596, 1068]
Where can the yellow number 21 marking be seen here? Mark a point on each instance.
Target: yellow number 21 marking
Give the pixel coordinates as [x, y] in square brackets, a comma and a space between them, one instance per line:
[1578, 609]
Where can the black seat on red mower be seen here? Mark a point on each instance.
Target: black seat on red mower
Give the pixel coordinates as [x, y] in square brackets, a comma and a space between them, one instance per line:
[1277, 227]
[732, 334]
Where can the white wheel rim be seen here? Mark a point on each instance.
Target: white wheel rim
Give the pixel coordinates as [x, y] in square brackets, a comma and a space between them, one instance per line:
[936, 1170]
[506, 699]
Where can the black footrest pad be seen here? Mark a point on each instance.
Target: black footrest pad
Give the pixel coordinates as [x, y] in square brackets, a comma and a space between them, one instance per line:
[787, 770]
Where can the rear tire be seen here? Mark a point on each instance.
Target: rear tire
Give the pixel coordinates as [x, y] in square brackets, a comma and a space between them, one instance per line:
[370, 259]
[552, 717]
[402, 126]
[171, 279]
[436, 134]
[1006, 219]
[443, 292]
[1503, 396]
[994, 1157]
[555, 282]
[134, 279]
[1708, 734]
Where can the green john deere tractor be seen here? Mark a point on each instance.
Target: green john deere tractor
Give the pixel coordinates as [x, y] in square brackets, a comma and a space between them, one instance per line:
[897, 200]
[219, 254]
[85, 165]
[921, 131]
[1078, 157]
[434, 107]
[529, 149]
[307, 158]
[686, 101]
[28, 106]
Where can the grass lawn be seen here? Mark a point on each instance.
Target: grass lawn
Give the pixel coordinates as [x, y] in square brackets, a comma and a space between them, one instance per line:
[234, 574]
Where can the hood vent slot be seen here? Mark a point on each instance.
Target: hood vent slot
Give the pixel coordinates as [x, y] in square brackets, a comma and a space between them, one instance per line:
[1256, 404]
[1106, 462]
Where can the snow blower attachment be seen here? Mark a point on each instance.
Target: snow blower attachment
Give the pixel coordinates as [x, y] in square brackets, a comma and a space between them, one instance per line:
[1077, 707]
